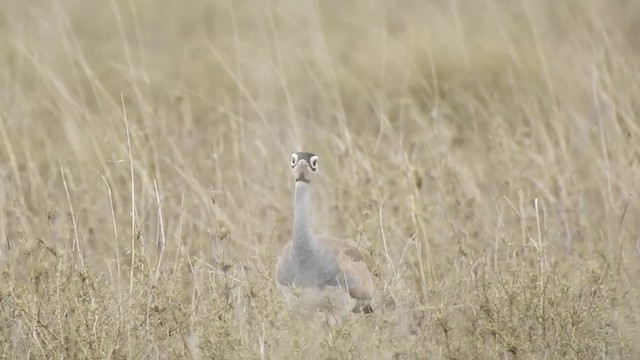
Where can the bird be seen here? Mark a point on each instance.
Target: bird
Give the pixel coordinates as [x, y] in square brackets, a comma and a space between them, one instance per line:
[319, 273]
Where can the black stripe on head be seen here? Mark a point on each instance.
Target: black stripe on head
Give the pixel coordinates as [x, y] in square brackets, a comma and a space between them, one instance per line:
[305, 155]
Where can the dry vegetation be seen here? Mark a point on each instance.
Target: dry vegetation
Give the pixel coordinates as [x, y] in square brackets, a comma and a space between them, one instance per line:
[484, 152]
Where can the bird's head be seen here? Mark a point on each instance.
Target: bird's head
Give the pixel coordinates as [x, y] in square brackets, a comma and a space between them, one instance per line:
[304, 165]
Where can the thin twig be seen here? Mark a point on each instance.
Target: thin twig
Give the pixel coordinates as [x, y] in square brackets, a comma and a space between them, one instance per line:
[76, 238]
[133, 196]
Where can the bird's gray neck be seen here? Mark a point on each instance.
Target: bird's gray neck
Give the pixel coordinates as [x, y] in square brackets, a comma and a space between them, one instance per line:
[302, 236]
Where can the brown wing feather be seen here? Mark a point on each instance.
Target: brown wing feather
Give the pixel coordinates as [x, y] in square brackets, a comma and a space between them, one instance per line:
[356, 264]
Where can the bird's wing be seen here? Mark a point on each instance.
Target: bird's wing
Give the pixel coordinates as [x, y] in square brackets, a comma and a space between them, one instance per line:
[353, 262]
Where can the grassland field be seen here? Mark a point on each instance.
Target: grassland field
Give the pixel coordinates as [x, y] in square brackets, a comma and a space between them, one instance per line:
[484, 153]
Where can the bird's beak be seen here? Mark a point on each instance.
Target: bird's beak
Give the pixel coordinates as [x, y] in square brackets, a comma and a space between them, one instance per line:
[299, 170]
[304, 163]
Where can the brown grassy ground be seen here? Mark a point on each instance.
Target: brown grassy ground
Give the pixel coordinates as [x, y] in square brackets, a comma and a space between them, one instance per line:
[485, 153]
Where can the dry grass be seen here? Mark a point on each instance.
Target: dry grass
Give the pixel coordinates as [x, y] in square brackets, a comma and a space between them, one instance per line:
[485, 153]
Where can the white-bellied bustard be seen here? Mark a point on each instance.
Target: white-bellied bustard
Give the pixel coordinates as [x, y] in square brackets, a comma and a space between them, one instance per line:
[316, 272]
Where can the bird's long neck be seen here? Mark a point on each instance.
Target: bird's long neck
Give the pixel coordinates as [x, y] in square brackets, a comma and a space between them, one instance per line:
[302, 235]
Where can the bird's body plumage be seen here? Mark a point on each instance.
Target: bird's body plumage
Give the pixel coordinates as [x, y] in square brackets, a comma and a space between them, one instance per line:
[316, 272]
[338, 268]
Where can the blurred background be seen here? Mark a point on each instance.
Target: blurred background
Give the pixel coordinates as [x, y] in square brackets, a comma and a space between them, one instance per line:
[484, 153]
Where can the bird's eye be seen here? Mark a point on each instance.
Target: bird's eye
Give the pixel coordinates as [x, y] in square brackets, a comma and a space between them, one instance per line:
[314, 163]
[294, 159]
